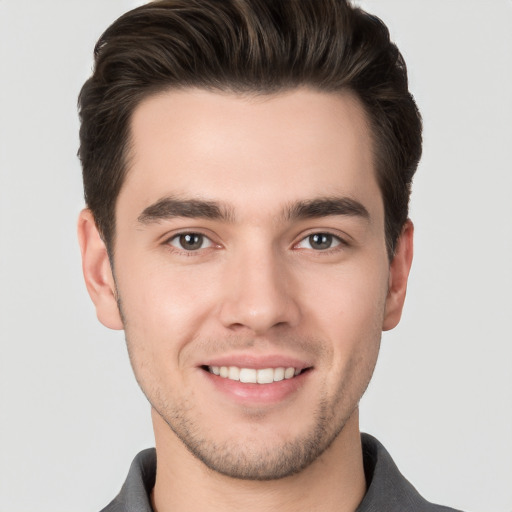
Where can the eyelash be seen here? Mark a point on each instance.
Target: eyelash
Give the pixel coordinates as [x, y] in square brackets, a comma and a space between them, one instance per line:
[189, 252]
[340, 243]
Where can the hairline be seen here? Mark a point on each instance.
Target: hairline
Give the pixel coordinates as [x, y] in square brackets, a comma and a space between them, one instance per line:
[127, 153]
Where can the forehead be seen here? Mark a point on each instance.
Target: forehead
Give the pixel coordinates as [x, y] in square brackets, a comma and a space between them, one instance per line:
[263, 151]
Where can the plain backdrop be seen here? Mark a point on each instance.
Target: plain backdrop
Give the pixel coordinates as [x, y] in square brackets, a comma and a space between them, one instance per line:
[72, 416]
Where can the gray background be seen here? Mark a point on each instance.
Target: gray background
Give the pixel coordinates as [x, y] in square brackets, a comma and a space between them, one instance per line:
[72, 416]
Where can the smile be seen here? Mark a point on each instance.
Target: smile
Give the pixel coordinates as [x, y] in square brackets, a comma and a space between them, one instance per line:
[254, 376]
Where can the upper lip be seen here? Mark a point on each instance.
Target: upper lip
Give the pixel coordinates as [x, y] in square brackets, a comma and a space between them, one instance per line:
[257, 361]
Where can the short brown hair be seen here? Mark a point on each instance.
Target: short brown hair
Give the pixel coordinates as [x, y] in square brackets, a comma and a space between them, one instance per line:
[246, 46]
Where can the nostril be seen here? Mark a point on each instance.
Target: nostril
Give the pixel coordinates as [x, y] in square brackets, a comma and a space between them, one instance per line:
[237, 327]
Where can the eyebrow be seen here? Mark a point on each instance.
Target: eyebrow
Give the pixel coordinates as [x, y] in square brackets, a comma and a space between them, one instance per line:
[325, 207]
[171, 207]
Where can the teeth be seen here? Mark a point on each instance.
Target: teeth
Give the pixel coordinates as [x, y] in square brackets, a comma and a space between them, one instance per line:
[289, 373]
[248, 375]
[234, 373]
[265, 376]
[253, 376]
[278, 374]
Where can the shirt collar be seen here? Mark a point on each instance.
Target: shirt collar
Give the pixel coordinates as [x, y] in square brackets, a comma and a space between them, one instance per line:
[387, 489]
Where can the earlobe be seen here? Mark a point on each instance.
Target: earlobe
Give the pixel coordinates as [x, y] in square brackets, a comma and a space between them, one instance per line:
[97, 271]
[398, 276]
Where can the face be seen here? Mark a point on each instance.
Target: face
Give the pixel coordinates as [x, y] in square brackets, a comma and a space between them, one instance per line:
[251, 272]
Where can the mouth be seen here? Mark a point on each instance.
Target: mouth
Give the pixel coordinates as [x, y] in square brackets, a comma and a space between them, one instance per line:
[255, 375]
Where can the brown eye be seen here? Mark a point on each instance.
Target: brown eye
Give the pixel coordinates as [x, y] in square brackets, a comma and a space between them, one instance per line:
[190, 241]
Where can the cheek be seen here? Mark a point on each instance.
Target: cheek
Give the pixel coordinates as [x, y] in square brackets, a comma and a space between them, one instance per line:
[348, 301]
[162, 311]
[349, 314]
[166, 310]
[161, 300]
[354, 315]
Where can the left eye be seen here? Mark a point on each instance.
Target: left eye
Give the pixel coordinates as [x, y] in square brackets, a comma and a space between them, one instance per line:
[190, 241]
[319, 242]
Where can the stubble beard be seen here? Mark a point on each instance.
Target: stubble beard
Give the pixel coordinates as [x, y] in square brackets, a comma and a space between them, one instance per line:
[256, 458]
[246, 460]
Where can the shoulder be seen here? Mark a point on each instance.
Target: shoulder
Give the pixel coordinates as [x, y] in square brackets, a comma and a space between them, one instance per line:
[135, 493]
[388, 490]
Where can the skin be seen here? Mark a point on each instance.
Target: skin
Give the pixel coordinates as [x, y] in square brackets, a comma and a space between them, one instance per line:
[256, 291]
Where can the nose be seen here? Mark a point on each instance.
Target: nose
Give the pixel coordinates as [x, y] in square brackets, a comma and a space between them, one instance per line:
[259, 294]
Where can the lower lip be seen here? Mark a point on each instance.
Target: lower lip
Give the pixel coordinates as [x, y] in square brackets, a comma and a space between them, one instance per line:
[257, 393]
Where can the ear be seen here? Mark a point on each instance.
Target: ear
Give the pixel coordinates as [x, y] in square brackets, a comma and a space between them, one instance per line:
[398, 276]
[97, 271]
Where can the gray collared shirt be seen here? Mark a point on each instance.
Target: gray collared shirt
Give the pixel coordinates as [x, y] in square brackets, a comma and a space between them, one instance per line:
[388, 490]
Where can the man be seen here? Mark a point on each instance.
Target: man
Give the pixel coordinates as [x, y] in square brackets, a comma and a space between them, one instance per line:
[247, 168]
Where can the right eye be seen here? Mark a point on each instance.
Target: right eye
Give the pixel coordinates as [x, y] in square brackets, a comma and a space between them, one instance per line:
[190, 241]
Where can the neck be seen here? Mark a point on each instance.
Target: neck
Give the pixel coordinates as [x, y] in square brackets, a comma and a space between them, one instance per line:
[334, 482]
